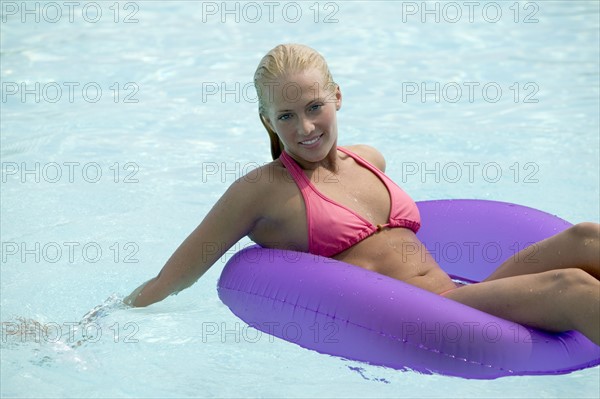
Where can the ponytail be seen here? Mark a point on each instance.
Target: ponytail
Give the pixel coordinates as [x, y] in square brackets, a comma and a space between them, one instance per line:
[276, 145]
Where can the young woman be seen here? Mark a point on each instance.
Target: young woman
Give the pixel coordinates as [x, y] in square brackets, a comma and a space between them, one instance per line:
[337, 202]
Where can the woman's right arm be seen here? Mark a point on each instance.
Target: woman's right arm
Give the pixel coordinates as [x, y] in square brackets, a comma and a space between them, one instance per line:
[230, 219]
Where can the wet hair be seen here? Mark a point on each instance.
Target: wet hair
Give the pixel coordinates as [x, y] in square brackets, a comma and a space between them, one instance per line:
[285, 59]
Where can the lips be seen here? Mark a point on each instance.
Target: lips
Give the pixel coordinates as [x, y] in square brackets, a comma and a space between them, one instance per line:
[311, 141]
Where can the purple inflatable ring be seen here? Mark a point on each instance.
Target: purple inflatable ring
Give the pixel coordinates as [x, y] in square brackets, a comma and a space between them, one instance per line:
[344, 310]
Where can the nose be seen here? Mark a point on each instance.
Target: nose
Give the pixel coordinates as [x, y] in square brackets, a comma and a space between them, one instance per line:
[306, 126]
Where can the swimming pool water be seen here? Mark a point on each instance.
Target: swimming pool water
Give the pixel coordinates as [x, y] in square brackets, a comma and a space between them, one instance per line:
[117, 137]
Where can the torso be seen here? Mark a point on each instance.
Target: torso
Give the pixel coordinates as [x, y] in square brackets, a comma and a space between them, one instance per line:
[395, 252]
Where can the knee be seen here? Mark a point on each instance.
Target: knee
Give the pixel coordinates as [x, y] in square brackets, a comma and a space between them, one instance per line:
[584, 231]
[566, 280]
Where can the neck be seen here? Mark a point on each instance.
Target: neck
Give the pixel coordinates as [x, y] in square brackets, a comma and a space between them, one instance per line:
[330, 162]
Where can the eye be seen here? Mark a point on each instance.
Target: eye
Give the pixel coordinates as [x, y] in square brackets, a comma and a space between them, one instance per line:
[315, 107]
[284, 117]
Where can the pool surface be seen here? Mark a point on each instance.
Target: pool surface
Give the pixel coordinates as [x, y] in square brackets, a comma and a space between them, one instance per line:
[123, 122]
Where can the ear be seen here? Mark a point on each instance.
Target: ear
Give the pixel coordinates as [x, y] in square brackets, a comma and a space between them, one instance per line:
[338, 98]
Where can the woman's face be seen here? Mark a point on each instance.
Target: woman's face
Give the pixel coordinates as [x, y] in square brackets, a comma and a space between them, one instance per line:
[302, 112]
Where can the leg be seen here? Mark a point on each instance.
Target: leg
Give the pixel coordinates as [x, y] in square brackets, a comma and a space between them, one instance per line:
[557, 301]
[577, 247]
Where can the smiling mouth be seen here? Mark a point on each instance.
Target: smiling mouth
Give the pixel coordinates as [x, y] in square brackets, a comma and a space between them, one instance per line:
[311, 141]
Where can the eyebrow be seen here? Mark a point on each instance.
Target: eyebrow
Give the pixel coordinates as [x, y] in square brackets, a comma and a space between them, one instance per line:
[307, 104]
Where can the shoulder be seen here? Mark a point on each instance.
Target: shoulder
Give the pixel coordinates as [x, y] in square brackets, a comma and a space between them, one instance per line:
[262, 186]
[265, 197]
[369, 153]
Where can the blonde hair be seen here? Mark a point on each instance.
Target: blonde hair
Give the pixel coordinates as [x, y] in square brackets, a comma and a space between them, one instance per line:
[282, 60]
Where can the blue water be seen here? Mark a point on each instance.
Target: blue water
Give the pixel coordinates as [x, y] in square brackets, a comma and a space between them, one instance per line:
[99, 189]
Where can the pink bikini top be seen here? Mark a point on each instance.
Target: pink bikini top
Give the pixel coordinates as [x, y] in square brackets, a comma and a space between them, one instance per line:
[333, 227]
